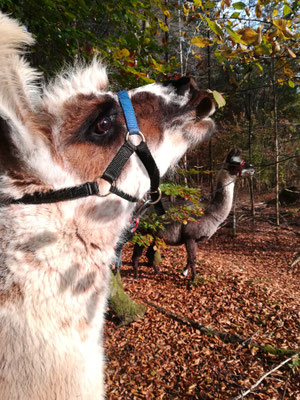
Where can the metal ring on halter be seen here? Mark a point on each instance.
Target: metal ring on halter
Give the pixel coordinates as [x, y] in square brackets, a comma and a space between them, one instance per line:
[142, 208]
[158, 198]
[139, 134]
[104, 195]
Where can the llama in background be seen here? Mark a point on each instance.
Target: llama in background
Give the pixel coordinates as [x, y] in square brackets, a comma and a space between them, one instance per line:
[190, 234]
[57, 232]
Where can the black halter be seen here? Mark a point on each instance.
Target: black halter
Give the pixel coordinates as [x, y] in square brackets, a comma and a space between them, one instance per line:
[112, 172]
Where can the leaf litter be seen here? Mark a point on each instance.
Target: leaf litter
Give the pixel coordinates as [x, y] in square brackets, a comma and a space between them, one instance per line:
[244, 287]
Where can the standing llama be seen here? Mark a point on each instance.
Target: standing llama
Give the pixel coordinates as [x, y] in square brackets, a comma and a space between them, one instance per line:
[177, 233]
[61, 214]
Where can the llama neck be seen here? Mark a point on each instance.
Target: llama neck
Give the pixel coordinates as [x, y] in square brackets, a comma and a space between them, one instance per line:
[62, 233]
[221, 204]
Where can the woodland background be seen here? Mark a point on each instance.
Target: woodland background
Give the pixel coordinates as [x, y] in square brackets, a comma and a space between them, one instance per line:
[247, 54]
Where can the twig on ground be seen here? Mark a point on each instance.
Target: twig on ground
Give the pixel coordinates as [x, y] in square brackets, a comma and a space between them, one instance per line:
[241, 396]
[250, 338]
[224, 336]
[296, 260]
[285, 386]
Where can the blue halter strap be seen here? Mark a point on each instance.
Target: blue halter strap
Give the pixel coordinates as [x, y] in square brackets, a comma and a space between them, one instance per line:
[128, 111]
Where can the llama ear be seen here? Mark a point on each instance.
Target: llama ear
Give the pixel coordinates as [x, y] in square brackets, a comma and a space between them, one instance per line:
[234, 153]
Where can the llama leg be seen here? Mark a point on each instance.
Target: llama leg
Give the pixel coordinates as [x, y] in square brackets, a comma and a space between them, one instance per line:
[151, 258]
[137, 252]
[191, 249]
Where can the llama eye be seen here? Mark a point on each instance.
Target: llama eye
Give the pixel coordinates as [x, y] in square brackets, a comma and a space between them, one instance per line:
[103, 125]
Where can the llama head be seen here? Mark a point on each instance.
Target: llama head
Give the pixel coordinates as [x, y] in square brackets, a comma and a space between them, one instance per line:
[67, 132]
[236, 166]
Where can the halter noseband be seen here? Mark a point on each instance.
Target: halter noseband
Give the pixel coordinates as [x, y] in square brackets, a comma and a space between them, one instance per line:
[112, 172]
[236, 167]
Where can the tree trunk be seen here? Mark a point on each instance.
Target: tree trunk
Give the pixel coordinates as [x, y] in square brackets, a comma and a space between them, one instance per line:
[276, 140]
[166, 36]
[121, 306]
[180, 42]
[250, 137]
[210, 146]
[184, 159]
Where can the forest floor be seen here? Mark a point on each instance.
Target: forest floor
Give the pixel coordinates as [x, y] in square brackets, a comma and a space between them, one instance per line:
[245, 286]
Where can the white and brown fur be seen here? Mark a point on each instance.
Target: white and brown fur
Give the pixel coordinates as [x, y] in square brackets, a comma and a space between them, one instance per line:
[54, 259]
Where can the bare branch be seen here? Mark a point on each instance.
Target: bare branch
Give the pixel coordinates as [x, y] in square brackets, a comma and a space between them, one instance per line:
[241, 396]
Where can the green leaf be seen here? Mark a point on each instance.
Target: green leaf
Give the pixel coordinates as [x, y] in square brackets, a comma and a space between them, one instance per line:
[239, 5]
[291, 84]
[286, 10]
[214, 27]
[235, 15]
[70, 15]
[157, 66]
[209, 4]
[235, 36]
[219, 99]
[258, 65]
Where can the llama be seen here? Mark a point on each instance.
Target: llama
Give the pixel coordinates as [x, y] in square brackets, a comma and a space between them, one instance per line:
[61, 216]
[177, 233]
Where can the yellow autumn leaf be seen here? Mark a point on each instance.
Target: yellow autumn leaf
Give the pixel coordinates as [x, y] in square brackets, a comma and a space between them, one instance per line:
[158, 67]
[258, 10]
[283, 26]
[249, 35]
[167, 13]
[219, 99]
[275, 12]
[163, 26]
[122, 53]
[288, 71]
[291, 53]
[186, 10]
[201, 41]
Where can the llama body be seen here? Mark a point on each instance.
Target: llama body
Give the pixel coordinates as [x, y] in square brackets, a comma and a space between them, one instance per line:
[54, 259]
[190, 234]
